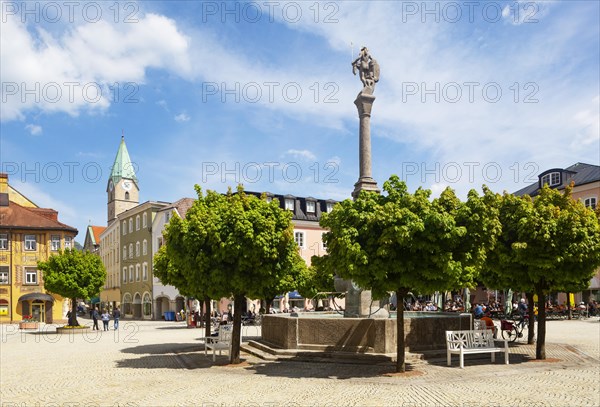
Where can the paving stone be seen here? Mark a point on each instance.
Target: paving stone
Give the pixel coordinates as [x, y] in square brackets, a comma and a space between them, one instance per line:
[163, 364]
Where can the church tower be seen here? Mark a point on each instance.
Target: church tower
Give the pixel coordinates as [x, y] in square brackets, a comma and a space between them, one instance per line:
[122, 189]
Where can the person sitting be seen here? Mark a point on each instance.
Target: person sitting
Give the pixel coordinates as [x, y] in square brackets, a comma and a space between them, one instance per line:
[489, 324]
[478, 311]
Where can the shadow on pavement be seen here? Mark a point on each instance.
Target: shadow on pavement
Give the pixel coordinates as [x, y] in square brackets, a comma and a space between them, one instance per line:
[162, 348]
[293, 369]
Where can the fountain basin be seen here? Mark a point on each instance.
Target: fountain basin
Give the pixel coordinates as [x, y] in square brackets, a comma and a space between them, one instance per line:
[332, 332]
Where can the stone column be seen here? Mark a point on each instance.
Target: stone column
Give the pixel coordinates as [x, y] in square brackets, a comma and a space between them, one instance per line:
[364, 104]
[359, 302]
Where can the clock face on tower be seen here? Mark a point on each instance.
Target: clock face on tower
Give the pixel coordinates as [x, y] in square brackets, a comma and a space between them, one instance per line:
[126, 185]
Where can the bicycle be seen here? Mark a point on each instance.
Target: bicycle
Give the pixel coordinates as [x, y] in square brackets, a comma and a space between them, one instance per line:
[511, 330]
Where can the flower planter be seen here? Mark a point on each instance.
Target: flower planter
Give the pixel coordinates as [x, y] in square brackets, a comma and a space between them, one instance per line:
[72, 331]
[28, 325]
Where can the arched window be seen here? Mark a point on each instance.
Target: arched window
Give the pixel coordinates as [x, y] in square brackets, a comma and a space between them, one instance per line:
[124, 228]
[127, 196]
[137, 272]
[145, 247]
[137, 222]
[145, 220]
[124, 274]
[145, 271]
[127, 304]
[130, 274]
[124, 252]
[147, 305]
[137, 249]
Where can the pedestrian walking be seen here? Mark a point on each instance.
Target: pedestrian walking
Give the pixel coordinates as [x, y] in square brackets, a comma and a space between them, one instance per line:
[116, 316]
[105, 319]
[95, 317]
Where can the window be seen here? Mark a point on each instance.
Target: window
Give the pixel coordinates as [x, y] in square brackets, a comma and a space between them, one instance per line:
[4, 241]
[4, 275]
[323, 240]
[269, 199]
[127, 196]
[137, 272]
[145, 271]
[289, 204]
[130, 225]
[329, 206]
[299, 237]
[68, 242]
[310, 206]
[137, 249]
[590, 202]
[145, 220]
[55, 242]
[137, 222]
[551, 179]
[147, 307]
[124, 252]
[130, 273]
[145, 247]
[124, 274]
[124, 228]
[30, 243]
[31, 275]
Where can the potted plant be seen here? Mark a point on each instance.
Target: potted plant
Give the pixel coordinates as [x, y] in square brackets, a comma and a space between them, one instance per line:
[28, 322]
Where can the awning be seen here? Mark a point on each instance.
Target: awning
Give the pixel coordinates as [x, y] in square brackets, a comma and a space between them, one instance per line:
[36, 296]
[95, 300]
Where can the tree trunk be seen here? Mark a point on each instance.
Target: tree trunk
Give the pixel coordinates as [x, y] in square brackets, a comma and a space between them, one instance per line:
[531, 325]
[540, 348]
[207, 316]
[400, 365]
[238, 300]
[73, 318]
[268, 303]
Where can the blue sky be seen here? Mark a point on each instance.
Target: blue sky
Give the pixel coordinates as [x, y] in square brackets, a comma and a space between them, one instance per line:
[262, 93]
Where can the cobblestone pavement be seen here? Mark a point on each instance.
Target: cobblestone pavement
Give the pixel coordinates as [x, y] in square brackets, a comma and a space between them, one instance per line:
[163, 364]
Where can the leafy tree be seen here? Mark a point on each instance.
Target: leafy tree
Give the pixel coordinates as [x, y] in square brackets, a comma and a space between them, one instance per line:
[233, 245]
[73, 274]
[547, 244]
[405, 242]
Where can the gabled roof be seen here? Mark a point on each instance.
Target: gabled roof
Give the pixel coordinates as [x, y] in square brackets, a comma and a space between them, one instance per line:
[579, 173]
[94, 233]
[122, 167]
[16, 216]
[299, 212]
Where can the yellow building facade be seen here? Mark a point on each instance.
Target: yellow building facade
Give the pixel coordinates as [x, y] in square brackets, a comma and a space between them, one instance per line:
[28, 234]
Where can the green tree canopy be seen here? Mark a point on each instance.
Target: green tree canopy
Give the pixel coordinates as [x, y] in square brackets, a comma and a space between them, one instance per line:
[406, 242]
[233, 245]
[549, 243]
[73, 274]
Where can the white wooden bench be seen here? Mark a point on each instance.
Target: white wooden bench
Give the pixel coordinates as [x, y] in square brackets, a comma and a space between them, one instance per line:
[466, 342]
[220, 343]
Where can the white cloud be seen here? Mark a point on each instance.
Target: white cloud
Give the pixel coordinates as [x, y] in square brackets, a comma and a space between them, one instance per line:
[182, 117]
[34, 129]
[302, 154]
[72, 70]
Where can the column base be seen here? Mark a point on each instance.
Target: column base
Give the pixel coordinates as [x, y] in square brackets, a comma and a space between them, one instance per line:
[365, 184]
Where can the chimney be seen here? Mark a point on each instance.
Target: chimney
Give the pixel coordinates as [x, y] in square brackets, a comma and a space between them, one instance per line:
[3, 189]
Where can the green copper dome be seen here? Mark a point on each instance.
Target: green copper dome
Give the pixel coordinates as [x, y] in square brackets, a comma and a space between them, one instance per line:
[122, 167]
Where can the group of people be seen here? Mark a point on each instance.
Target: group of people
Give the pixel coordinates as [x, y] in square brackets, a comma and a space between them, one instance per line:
[105, 317]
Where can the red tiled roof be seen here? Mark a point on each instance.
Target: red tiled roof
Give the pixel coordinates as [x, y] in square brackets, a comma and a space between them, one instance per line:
[16, 216]
[97, 230]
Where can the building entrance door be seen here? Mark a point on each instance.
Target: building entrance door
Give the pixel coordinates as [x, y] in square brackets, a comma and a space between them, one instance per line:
[38, 311]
